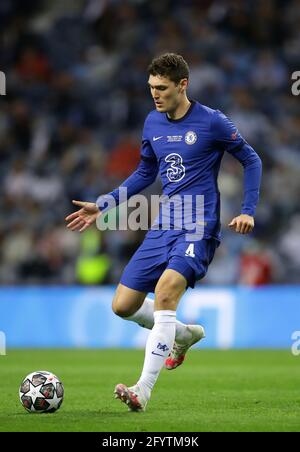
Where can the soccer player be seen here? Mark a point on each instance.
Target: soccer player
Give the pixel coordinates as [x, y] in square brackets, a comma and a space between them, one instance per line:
[184, 141]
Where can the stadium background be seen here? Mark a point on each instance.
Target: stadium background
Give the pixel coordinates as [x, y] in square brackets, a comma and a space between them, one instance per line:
[70, 128]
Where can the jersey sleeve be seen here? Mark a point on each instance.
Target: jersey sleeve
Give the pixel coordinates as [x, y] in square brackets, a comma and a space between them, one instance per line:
[225, 135]
[252, 177]
[147, 152]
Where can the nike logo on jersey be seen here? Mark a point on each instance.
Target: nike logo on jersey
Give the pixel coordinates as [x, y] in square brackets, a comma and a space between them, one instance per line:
[157, 138]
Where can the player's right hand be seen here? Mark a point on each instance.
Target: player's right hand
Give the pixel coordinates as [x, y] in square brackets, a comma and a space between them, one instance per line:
[84, 217]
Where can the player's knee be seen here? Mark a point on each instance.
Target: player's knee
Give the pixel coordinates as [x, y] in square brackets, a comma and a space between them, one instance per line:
[119, 309]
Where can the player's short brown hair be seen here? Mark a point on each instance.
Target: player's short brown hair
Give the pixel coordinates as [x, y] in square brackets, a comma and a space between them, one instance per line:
[169, 65]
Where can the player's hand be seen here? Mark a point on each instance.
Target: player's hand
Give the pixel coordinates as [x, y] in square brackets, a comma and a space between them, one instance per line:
[84, 217]
[242, 224]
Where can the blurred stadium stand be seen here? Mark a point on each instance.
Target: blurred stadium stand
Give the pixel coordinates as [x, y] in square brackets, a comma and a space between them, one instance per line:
[71, 122]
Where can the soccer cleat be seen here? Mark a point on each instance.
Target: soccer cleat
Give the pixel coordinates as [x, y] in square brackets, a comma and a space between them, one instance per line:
[133, 397]
[177, 355]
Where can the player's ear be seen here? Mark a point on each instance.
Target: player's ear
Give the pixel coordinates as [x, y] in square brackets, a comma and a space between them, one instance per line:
[183, 84]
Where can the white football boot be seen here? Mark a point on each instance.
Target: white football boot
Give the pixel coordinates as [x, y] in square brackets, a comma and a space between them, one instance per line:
[134, 397]
[178, 352]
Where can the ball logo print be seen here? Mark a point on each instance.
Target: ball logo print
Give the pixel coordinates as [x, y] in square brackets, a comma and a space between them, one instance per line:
[41, 392]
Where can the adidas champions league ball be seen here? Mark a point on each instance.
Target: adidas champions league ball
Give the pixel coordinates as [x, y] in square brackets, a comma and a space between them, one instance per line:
[41, 392]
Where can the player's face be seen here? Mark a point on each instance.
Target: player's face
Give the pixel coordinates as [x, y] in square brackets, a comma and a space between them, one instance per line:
[166, 94]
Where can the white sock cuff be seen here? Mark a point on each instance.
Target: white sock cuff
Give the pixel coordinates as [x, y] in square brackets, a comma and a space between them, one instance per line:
[144, 315]
[164, 316]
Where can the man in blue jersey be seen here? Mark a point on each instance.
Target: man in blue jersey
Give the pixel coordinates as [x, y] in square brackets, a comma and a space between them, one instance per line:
[184, 142]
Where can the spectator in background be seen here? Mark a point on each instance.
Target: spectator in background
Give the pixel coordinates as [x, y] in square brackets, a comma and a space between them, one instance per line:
[69, 105]
[255, 266]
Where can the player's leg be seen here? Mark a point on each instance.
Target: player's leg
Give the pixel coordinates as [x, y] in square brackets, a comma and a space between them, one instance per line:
[168, 292]
[170, 287]
[193, 266]
[128, 302]
[140, 276]
[133, 305]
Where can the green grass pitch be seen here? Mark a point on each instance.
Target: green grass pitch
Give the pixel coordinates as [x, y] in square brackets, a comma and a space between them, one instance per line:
[246, 390]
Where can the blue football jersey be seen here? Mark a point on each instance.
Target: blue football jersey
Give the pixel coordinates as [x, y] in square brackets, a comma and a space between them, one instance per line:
[187, 154]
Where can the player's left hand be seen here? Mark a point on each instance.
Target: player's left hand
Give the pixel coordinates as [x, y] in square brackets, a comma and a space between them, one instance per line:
[242, 224]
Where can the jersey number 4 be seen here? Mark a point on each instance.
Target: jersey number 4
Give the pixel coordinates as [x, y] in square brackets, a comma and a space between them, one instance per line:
[190, 251]
[177, 171]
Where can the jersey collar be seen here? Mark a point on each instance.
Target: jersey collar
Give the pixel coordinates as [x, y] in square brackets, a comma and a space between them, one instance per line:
[189, 111]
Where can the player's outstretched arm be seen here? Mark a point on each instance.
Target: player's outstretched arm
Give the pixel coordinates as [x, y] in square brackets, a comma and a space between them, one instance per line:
[242, 224]
[227, 138]
[84, 217]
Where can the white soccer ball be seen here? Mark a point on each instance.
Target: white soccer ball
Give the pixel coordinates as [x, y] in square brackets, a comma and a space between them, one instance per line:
[41, 392]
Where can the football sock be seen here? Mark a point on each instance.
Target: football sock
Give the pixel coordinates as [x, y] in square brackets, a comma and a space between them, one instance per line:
[144, 317]
[159, 343]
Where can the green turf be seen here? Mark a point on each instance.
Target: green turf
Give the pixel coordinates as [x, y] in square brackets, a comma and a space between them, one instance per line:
[211, 391]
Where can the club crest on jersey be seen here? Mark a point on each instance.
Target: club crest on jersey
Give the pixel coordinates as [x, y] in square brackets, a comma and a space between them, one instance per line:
[190, 137]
